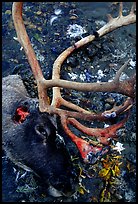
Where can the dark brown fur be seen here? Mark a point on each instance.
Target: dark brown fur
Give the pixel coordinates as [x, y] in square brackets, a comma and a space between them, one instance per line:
[32, 144]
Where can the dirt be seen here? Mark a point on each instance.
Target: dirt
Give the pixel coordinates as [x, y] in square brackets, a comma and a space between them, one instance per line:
[47, 25]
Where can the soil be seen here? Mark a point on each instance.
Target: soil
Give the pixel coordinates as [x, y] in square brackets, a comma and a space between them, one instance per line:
[47, 24]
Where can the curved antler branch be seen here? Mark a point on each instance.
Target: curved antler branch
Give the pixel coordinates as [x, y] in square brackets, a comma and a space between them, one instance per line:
[106, 115]
[103, 135]
[24, 39]
[85, 148]
[29, 51]
[113, 86]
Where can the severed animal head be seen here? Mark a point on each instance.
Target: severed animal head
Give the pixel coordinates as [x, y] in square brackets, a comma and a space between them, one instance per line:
[30, 139]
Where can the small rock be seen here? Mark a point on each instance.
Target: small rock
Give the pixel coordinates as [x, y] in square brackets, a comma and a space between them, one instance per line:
[74, 17]
[8, 12]
[110, 100]
[133, 137]
[39, 28]
[132, 158]
[32, 26]
[72, 61]
[118, 196]
[38, 12]
[129, 196]
[91, 52]
[107, 106]
[45, 32]
[75, 30]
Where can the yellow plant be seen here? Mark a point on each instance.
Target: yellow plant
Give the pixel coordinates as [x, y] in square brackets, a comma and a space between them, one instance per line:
[105, 195]
[111, 169]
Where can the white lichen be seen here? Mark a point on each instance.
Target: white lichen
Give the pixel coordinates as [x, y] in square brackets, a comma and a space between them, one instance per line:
[83, 77]
[118, 147]
[109, 115]
[101, 23]
[57, 12]
[123, 76]
[75, 30]
[60, 138]
[106, 125]
[73, 76]
[118, 54]
[15, 38]
[38, 54]
[132, 63]
[100, 74]
[129, 195]
[52, 19]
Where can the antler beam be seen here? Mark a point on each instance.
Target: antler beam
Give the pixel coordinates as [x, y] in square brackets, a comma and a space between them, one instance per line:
[29, 51]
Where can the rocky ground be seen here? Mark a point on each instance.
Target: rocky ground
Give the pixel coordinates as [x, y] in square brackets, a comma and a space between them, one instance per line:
[52, 27]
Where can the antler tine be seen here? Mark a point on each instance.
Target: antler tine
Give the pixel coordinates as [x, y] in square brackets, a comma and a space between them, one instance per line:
[133, 8]
[89, 149]
[119, 72]
[113, 86]
[120, 9]
[83, 146]
[103, 135]
[110, 18]
[106, 115]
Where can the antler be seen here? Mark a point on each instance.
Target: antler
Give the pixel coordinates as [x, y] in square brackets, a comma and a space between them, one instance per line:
[70, 117]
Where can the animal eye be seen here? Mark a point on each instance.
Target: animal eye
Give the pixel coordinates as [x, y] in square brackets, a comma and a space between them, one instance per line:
[40, 129]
